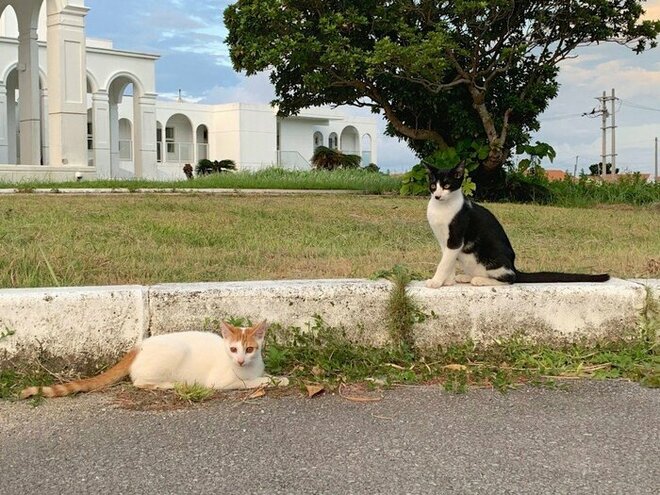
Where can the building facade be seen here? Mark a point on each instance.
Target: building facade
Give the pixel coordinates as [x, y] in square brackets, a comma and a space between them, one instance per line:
[71, 105]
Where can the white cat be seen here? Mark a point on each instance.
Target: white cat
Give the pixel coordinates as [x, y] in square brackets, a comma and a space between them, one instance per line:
[232, 361]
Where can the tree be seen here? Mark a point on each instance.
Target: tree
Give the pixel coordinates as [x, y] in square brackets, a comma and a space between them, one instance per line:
[438, 71]
[597, 169]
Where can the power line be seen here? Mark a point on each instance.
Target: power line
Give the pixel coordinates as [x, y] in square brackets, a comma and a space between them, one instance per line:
[561, 117]
[641, 107]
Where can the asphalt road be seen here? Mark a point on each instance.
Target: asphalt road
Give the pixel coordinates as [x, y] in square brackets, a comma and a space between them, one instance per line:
[593, 438]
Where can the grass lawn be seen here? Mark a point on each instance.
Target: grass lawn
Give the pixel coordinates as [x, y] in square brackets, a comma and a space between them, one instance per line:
[270, 178]
[146, 239]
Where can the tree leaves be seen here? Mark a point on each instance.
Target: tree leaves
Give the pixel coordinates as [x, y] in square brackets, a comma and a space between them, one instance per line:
[440, 72]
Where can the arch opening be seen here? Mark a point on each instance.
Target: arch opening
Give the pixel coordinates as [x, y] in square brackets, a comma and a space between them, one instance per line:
[179, 144]
[333, 141]
[366, 150]
[318, 139]
[202, 142]
[350, 141]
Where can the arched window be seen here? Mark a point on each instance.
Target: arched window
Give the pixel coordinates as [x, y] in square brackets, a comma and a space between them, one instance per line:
[333, 141]
[318, 139]
[366, 150]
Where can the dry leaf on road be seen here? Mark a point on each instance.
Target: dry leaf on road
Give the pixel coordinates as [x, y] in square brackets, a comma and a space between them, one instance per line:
[314, 389]
[260, 392]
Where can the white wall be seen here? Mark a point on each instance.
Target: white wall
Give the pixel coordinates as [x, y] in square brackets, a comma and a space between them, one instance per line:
[258, 137]
[103, 65]
[298, 135]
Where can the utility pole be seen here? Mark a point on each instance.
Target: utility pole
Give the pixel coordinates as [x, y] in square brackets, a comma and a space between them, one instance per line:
[613, 133]
[656, 159]
[605, 114]
[603, 127]
[577, 158]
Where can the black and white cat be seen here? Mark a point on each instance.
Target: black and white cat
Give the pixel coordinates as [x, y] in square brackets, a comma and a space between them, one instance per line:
[470, 234]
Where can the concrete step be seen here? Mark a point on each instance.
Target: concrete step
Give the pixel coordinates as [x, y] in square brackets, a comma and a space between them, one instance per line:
[102, 322]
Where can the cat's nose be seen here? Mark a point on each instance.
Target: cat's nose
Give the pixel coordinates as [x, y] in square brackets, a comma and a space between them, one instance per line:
[240, 362]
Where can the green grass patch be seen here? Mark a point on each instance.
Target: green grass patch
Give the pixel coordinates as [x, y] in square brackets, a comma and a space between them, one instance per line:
[146, 239]
[329, 357]
[270, 178]
[13, 380]
[588, 191]
[193, 393]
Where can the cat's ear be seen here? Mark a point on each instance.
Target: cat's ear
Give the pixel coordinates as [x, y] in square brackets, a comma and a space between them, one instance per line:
[459, 170]
[259, 330]
[227, 330]
[429, 169]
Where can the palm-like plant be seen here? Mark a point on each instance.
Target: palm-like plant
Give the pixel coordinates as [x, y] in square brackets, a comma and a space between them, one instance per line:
[205, 167]
[325, 158]
[224, 165]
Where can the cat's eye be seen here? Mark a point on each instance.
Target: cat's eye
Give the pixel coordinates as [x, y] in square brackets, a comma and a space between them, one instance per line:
[249, 350]
[433, 187]
[232, 349]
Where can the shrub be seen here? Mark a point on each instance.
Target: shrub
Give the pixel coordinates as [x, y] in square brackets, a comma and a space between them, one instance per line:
[584, 191]
[224, 165]
[205, 167]
[325, 158]
[415, 182]
[597, 169]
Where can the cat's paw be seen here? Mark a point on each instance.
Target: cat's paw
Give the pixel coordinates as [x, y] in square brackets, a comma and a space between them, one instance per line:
[279, 381]
[434, 283]
[461, 278]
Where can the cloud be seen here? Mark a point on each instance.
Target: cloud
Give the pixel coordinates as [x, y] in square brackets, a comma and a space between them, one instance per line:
[254, 89]
[636, 79]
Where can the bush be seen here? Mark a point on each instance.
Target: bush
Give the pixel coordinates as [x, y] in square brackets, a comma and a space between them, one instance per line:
[325, 158]
[206, 167]
[597, 169]
[585, 191]
[523, 182]
[415, 182]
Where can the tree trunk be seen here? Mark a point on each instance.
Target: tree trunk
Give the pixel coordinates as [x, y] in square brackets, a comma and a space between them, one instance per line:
[496, 155]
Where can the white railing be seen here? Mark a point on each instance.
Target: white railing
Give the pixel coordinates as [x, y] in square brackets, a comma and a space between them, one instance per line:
[202, 151]
[292, 160]
[366, 158]
[125, 150]
[177, 152]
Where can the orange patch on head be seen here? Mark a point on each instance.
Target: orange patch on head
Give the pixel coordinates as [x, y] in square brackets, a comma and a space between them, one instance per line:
[248, 337]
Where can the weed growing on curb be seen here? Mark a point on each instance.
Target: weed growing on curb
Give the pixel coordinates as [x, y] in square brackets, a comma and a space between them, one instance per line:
[402, 312]
[328, 356]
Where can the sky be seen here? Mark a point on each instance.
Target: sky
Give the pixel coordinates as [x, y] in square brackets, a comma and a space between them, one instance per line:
[189, 36]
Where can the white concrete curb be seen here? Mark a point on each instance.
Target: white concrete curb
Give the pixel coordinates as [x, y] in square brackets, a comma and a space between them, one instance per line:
[104, 321]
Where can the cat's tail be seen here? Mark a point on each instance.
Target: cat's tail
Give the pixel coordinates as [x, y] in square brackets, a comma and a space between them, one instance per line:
[113, 375]
[551, 277]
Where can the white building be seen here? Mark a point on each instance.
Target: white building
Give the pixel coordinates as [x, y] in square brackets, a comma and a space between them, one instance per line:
[72, 104]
